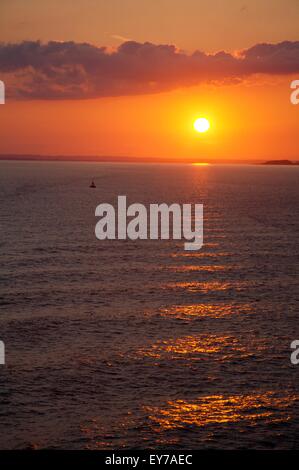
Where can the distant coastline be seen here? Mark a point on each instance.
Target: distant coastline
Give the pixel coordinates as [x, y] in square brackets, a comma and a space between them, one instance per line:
[126, 159]
[281, 162]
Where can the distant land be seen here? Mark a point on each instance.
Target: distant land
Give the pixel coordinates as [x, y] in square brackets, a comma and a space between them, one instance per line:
[281, 162]
[125, 159]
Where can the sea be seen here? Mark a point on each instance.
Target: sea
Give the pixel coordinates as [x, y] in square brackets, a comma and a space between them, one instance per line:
[121, 344]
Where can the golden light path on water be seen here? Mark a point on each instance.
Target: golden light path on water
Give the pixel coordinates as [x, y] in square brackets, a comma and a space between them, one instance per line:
[251, 409]
[200, 346]
[217, 409]
[207, 287]
[192, 346]
[191, 312]
[192, 268]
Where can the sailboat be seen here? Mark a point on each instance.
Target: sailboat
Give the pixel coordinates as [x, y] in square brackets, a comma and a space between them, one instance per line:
[92, 185]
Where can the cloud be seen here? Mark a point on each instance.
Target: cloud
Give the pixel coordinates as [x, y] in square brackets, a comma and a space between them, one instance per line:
[118, 37]
[69, 70]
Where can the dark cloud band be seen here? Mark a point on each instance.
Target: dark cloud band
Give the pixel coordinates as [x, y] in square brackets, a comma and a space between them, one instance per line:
[69, 70]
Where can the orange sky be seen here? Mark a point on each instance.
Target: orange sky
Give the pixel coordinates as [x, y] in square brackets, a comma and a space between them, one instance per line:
[250, 120]
[209, 25]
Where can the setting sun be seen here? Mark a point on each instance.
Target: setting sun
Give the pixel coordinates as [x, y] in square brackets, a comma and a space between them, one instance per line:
[201, 125]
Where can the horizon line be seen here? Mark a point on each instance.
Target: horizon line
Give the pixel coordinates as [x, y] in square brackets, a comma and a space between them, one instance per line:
[130, 159]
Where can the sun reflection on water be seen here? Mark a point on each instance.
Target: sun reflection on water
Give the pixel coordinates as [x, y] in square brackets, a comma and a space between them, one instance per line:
[196, 347]
[206, 287]
[191, 312]
[219, 409]
[155, 423]
[202, 254]
[192, 268]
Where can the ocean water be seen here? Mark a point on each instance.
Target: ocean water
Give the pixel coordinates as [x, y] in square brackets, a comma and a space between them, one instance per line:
[142, 345]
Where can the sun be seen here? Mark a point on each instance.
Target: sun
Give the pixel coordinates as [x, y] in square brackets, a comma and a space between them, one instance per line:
[201, 125]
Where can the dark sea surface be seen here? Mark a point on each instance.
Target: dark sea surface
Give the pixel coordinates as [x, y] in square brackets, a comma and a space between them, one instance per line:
[123, 344]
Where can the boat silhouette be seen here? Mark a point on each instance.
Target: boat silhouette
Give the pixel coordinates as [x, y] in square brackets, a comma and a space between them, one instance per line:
[92, 185]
